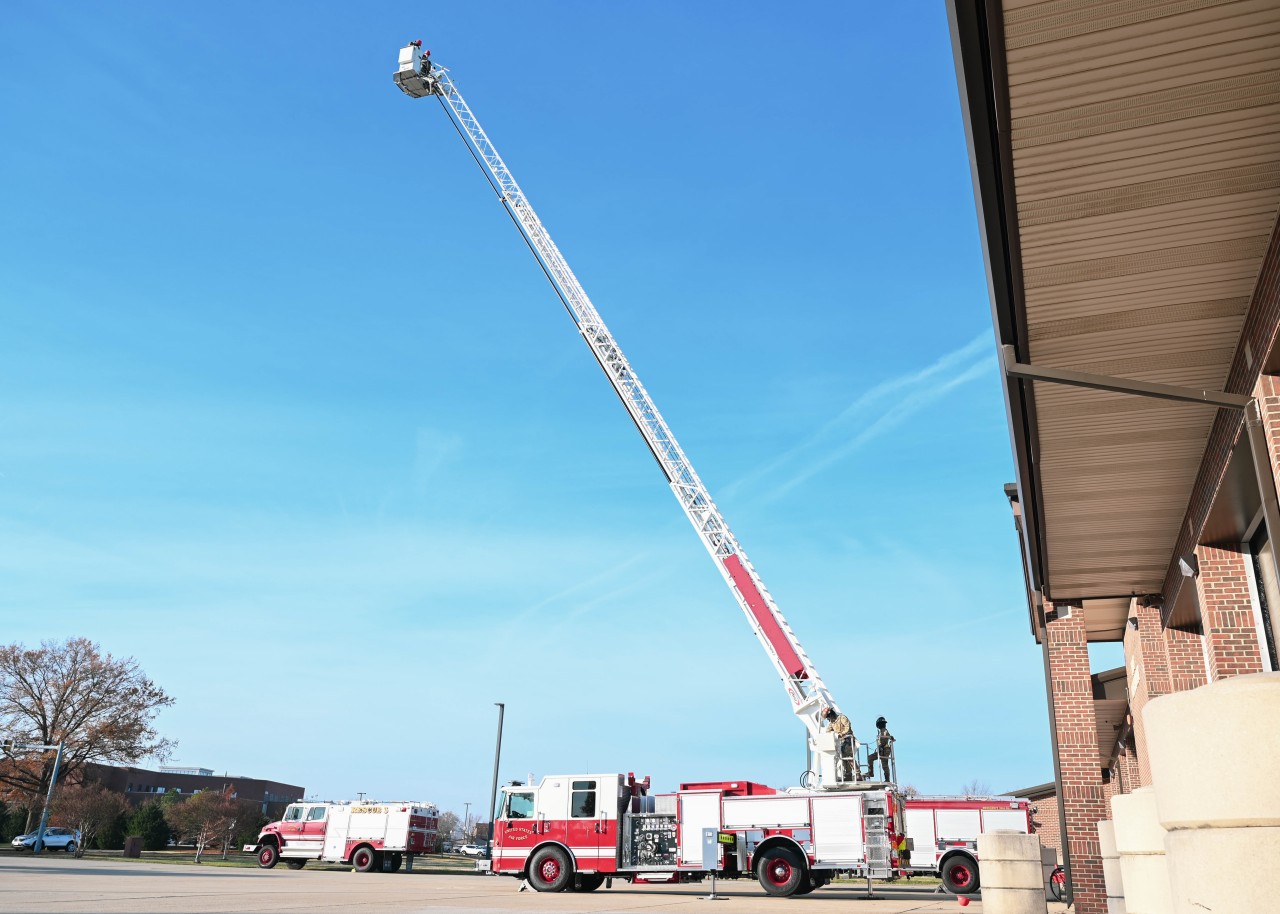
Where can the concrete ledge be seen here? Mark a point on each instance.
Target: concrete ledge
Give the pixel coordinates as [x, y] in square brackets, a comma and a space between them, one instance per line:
[1204, 855]
[1224, 733]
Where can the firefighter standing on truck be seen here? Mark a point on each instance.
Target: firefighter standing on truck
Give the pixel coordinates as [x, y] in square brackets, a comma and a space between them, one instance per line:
[883, 753]
[839, 725]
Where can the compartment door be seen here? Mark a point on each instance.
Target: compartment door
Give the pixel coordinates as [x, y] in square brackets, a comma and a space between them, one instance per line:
[837, 830]
[697, 811]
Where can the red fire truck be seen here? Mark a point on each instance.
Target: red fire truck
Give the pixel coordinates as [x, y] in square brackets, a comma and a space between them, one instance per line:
[574, 831]
[369, 836]
[944, 835]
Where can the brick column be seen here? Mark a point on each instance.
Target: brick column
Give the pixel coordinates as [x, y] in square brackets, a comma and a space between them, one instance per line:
[1185, 653]
[1226, 612]
[1147, 676]
[1125, 776]
[1267, 391]
[1076, 735]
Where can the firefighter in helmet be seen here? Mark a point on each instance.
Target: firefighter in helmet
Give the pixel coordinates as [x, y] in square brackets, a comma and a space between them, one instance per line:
[839, 725]
[883, 752]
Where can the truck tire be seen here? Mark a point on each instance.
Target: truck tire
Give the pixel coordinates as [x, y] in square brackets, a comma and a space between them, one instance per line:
[268, 856]
[392, 862]
[587, 882]
[781, 871]
[550, 870]
[959, 874]
[295, 864]
[364, 859]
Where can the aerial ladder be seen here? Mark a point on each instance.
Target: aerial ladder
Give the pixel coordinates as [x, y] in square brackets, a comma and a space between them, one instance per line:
[830, 765]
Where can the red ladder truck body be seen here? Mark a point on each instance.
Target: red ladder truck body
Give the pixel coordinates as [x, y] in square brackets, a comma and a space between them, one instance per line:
[576, 830]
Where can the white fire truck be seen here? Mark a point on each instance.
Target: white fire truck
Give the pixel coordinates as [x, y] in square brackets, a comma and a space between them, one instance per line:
[944, 835]
[575, 831]
[369, 836]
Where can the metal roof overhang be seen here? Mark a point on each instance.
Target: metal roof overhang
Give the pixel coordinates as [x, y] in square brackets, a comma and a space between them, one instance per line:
[1126, 168]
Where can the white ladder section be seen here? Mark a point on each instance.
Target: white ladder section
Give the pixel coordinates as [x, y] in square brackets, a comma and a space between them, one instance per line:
[809, 696]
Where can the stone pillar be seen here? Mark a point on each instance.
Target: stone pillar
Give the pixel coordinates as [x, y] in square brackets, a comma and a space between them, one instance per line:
[1226, 612]
[1009, 870]
[1076, 735]
[1214, 756]
[1140, 843]
[1111, 867]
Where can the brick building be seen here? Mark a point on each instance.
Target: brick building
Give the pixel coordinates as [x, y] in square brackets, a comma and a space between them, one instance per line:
[1126, 164]
[1044, 813]
[141, 784]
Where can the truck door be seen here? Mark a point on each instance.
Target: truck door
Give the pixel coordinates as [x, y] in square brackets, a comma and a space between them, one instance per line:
[311, 838]
[291, 829]
[592, 832]
[516, 831]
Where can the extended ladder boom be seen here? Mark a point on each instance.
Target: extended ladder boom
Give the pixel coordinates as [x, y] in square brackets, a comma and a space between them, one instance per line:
[809, 696]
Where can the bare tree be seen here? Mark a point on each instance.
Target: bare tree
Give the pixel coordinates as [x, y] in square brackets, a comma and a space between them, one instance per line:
[102, 707]
[446, 829]
[975, 788]
[88, 809]
[207, 818]
[909, 791]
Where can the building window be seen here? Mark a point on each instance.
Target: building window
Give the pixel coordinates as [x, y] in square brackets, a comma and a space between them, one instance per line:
[583, 803]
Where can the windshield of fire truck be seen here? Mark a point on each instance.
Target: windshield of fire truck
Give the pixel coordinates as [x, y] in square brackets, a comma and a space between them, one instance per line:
[519, 806]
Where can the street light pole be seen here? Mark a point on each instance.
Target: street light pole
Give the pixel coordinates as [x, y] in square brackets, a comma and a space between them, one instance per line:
[497, 756]
[9, 746]
[466, 823]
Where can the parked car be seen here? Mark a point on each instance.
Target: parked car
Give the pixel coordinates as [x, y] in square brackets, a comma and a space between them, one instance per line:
[474, 850]
[55, 839]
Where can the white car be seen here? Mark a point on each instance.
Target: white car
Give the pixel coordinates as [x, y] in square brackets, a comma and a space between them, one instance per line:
[473, 850]
[55, 839]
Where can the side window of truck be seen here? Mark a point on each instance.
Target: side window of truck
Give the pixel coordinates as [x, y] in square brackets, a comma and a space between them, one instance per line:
[583, 800]
[317, 813]
[520, 806]
[293, 814]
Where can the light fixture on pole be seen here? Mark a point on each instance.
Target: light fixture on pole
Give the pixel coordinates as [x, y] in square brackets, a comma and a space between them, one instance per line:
[9, 746]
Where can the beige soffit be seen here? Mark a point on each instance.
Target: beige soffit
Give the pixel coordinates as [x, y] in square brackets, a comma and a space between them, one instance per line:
[1146, 159]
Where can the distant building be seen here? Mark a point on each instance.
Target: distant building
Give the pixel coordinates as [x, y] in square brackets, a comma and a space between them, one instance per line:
[140, 785]
[1044, 814]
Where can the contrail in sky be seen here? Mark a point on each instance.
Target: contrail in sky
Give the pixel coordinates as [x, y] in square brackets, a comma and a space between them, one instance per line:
[877, 411]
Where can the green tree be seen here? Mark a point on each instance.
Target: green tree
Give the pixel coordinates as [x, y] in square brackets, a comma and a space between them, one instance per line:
[112, 835]
[70, 692]
[148, 821]
[249, 822]
[13, 821]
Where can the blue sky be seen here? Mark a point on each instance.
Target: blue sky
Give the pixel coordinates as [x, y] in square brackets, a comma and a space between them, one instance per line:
[292, 417]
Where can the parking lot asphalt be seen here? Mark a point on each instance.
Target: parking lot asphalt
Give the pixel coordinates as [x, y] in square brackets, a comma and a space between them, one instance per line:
[64, 885]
